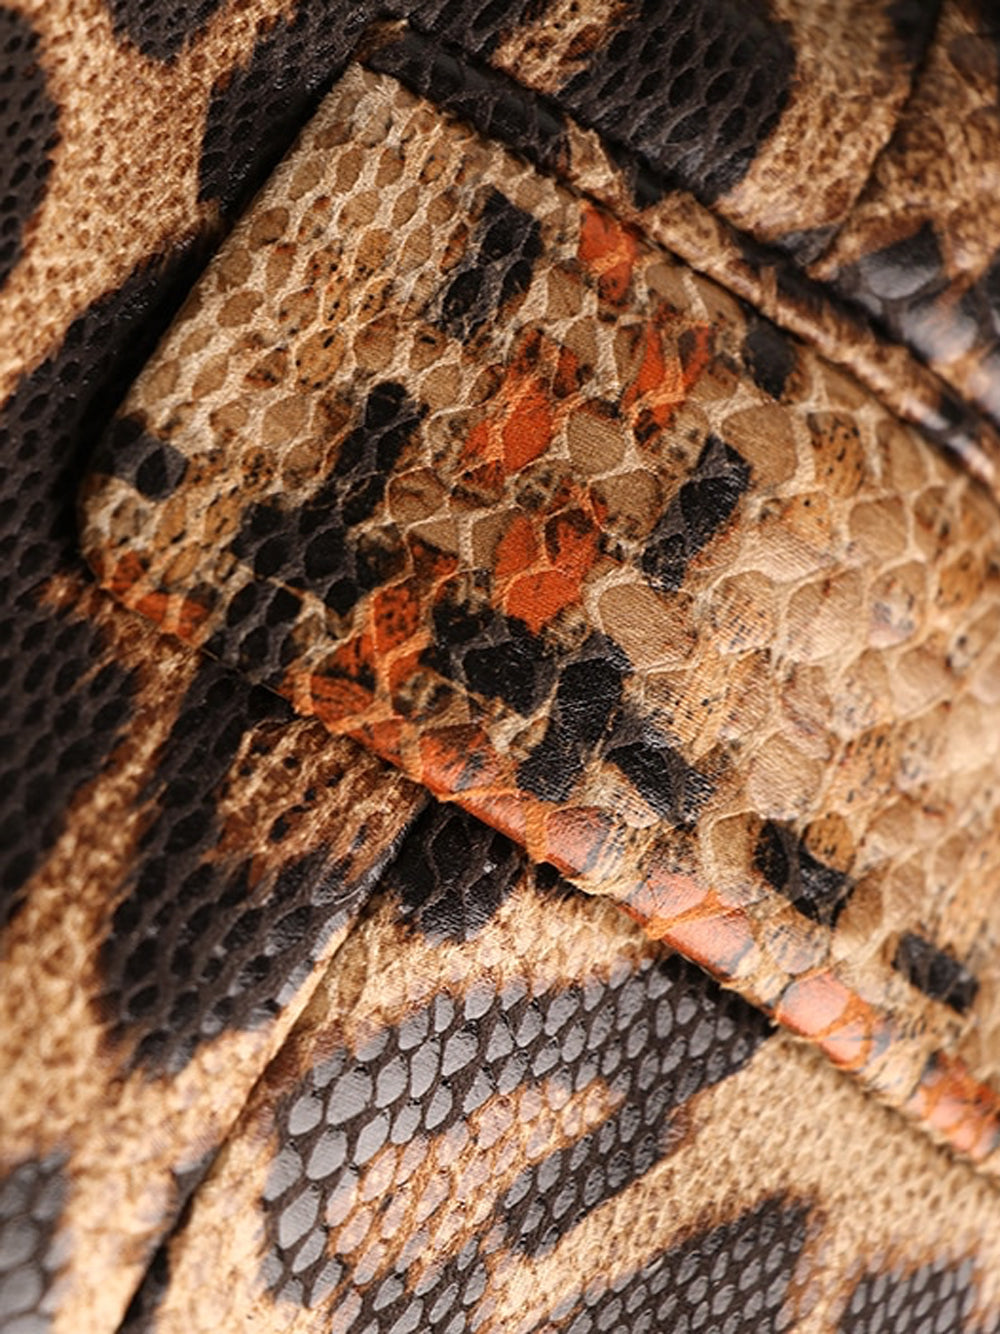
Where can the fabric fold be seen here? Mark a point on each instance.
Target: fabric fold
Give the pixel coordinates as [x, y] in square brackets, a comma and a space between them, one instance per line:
[471, 471]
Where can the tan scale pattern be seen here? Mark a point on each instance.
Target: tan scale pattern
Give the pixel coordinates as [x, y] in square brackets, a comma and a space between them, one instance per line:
[850, 80]
[124, 183]
[123, 191]
[859, 159]
[707, 242]
[757, 1136]
[828, 660]
[64, 1087]
[940, 171]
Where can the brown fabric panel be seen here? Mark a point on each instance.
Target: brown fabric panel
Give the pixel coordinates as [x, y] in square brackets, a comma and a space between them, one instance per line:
[120, 1064]
[445, 1140]
[920, 252]
[629, 574]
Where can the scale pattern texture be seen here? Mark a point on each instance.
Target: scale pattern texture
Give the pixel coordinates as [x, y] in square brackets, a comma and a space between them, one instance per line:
[703, 625]
[635, 578]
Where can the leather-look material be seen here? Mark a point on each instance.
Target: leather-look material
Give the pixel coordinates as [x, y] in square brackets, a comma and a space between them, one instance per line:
[656, 340]
[561, 532]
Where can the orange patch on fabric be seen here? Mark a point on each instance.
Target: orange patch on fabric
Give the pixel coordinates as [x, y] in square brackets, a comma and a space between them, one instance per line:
[608, 249]
[958, 1106]
[528, 429]
[126, 576]
[384, 738]
[525, 412]
[405, 667]
[505, 810]
[813, 1006]
[662, 897]
[846, 1027]
[720, 942]
[345, 688]
[859, 1040]
[521, 422]
[337, 699]
[395, 616]
[180, 615]
[539, 574]
[517, 550]
[576, 840]
[453, 759]
[537, 598]
[431, 565]
[666, 378]
[542, 560]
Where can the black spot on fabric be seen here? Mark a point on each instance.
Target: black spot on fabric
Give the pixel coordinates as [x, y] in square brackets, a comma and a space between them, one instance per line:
[660, 774]
[453, 873]
[655, 1033]
[488, 99]
[129, 451]
[312, 547]
[65, 704]
[702, 507]
[496, 267]
[646, 186]
[474, 25]
[818, 891]
[587, 697]
[806, 244]
[978, 310]
[492, 655]
[159, 28]
[258, 633]
[28, 132]
[952, 423]
[32, 1195]
[257, 109]
[198, 942]
[934, 972]
[756, 254]
[893, 282]
[140, 1315]
[769, 355]
[49, 424]
[934, 1299]
[917, 318]
[913, 24]
[906, 290]
[729, 1279]
[901, 270]
[981, 302]
[64, 700]
[660, 1070]
[694, 89]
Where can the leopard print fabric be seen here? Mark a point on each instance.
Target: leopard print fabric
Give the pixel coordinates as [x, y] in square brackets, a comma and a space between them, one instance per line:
[463, 450]
[571, 604]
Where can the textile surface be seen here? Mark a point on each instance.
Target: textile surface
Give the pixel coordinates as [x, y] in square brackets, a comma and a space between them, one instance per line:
[499, 678]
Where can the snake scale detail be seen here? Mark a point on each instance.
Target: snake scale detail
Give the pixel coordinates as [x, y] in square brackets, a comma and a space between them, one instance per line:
[499, 667]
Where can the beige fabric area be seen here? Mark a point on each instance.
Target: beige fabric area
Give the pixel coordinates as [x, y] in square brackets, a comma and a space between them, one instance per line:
[829, 657]
[845, 626]
[784, 1126]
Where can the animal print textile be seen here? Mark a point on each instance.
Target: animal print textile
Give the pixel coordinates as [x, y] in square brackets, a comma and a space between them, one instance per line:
[498, 605]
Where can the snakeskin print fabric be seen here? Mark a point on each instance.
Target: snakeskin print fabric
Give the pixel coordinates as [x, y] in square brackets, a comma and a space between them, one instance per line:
[929, 270]
[535, 1126]
[557, 563]
[185, 860]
